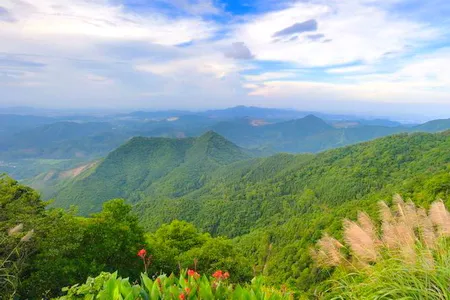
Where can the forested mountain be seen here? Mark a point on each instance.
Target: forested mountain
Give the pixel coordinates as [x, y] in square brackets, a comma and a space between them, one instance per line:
[308, 134]
[282, 202]
[147, 166]
[433, 126]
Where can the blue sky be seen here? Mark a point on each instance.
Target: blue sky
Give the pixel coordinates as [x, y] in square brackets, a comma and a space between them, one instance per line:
[371, 56]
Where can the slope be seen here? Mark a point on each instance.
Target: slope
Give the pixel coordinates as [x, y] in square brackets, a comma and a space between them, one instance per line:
[149, 166]
[308, 134]
[56, 140]
[433, 126]
[336, 176]
[277, 207]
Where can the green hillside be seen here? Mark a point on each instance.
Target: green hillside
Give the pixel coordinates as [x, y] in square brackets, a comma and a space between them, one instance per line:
[275, 209]
[433, 126]
[146, 166]
[281, 202]
[258, 189]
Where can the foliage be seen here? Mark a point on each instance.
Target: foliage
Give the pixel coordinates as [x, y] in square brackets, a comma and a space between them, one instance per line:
[146, 166]
[276, 207]
[188, 285]
[407, 257]
[180, 244]
[12, 258]
[65, 248]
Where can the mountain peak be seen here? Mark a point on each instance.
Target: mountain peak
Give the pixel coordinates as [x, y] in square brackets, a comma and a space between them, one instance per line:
[312, 117]
[214, 146]
[210, 135]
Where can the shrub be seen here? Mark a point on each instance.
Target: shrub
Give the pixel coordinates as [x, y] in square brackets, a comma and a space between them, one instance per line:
[189, 285]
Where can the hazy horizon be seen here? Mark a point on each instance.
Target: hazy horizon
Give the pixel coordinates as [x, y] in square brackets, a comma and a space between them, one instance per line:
[52, 111]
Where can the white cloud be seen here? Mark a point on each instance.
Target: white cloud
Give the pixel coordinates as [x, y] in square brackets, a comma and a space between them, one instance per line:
[355, 30]
[272, 75]
[381, 92]
[50, 19]
[69, 49]
[213, 64]
[422, 79]
[352, 69]
[98, 79]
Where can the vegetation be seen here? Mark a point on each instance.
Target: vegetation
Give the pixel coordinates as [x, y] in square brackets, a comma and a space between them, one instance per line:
[12, 258]
[275, 208]
[189, 285]
[406, 257]
[146, 166]
[65, 249]
[249, 216]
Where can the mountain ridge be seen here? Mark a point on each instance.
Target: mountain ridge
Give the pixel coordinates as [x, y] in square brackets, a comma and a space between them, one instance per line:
[142, 163]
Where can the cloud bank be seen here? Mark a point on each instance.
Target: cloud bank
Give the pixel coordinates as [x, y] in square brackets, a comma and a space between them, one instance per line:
[204, 53]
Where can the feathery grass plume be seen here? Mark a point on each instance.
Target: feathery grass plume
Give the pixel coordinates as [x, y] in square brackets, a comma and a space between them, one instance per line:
[362, 244]
[406, 212]
[328, 253]
[410, 214]
[426, 229]
[389, 237]
[398, 229]
[397, 198]
[367, 225]
[405, 234]
[385, 212]
[413, 260]
[399, 202]
[399, 236]
[16, 229]
[440, 217]
[27, 236]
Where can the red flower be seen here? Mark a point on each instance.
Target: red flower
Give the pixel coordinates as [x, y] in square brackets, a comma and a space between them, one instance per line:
[182, 296]
[194, 274]
[226, 275]
[218, 274]
[188, 290]
[142, 253]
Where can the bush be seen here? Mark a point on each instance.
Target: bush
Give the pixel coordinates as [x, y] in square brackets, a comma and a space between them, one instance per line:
[189, 285]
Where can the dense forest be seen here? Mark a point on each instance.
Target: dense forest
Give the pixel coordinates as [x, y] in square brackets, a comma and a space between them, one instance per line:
[246, 216]
[32, 145]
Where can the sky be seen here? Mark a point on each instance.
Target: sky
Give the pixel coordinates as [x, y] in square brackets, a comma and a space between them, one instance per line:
[371, 56]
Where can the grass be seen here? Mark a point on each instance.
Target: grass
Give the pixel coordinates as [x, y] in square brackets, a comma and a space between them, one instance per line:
[406, 257]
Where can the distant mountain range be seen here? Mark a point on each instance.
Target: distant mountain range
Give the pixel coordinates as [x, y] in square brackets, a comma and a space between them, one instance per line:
[53, 143]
